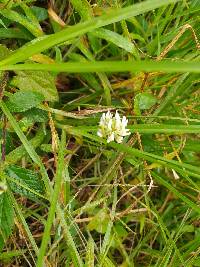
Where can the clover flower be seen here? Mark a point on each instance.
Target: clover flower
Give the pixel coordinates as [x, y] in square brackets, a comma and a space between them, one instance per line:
[113, 128]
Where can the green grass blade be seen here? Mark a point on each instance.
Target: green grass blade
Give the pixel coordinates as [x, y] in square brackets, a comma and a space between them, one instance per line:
[54, 199]
[164, 182]
[90, 256]
[111, 66]
[24, 223]
[154, 128]
[70, 242]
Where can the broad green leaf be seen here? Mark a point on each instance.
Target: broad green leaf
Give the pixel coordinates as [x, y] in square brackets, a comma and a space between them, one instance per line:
[145, 100]
[27, 145]
[24, 100]
[25, 124]
[31, 116]
[37, 81]
[13, 33]
[6, 218]
[21, 19]
[36, 115]
[40, 13]
[22, 180]
[99, 222]
[47, 148]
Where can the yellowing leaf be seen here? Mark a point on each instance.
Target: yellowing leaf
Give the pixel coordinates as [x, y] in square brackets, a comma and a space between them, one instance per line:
[44, 59]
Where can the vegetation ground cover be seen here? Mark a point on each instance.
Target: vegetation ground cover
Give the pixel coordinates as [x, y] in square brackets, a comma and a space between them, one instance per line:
[67, 196]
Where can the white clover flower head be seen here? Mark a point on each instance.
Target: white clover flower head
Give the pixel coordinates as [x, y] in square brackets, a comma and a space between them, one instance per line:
[113, 128]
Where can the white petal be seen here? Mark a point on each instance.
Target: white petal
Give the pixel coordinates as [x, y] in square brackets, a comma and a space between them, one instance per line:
[117, 116]
[119, 139]
[124, 121]
[109, 125]
[110, 138]
[108, 116]
[125, 132]
[99, 133]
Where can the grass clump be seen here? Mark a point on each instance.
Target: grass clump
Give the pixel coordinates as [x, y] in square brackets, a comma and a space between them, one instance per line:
[67, 196]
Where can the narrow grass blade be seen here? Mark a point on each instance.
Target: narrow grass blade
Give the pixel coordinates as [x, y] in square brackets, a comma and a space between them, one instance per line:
[77, 261]
[54, 199]
[23, 222]
[155, 128]
[111, 66]
[90, 253]
[164, 182]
